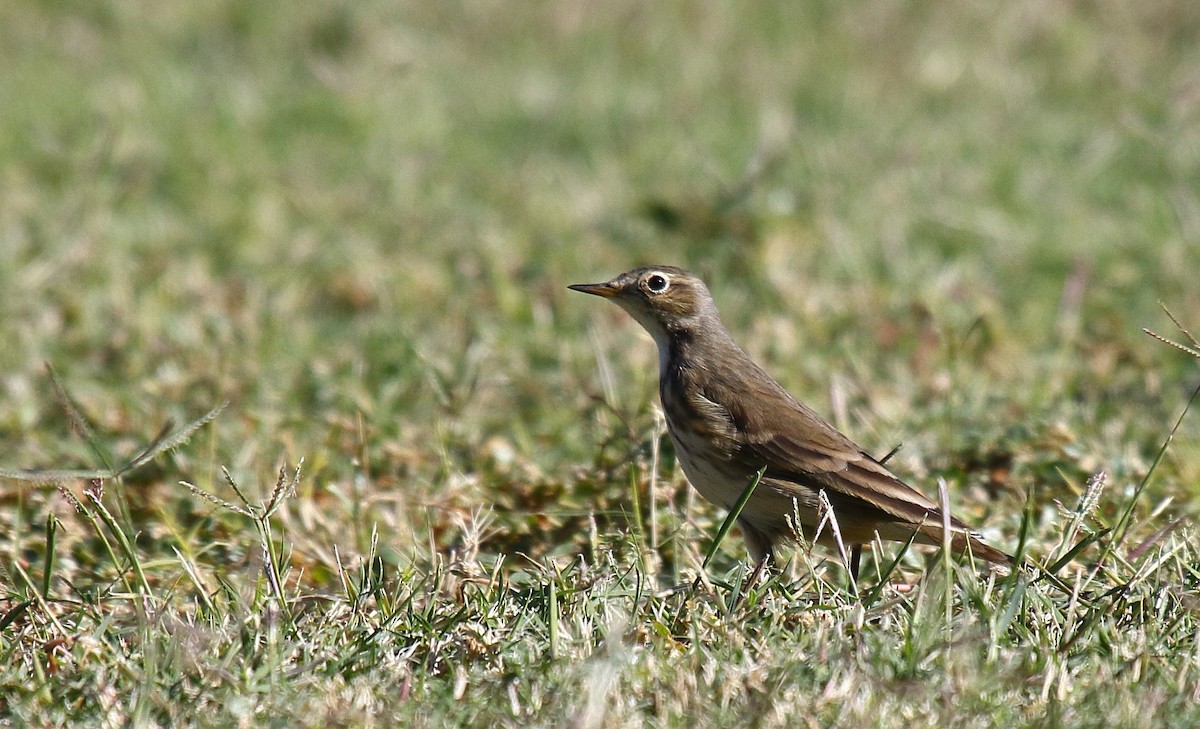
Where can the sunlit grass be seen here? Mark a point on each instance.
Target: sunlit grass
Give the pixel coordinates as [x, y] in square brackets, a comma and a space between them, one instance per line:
[942, 226]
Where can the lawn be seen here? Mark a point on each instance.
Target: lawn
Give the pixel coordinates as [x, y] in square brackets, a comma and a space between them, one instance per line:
[302, 268]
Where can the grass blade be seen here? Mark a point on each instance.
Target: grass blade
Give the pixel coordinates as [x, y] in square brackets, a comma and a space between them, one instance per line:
[48, 567]
[1126, 520]
[732, 516]
[873, 594]
[1081, 545]
[53, 476]
[166, 441]
[78, 421]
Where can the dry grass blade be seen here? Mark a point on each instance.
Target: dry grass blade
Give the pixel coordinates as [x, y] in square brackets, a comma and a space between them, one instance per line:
[284, 488]
[1175, 321]
[166, 441]
[1193, 350]
[828, 517]
[78, 422]
[1155, 538]
[52, 476]
[216, 500]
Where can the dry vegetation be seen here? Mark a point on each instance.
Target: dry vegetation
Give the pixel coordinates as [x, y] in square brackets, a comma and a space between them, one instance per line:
[440, 493]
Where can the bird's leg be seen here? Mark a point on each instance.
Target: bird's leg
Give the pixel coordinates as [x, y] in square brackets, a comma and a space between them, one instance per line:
[760, 547]
[758, 568]
[855, 561]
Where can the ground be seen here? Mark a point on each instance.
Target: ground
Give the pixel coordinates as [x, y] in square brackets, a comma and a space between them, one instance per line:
[438, 490]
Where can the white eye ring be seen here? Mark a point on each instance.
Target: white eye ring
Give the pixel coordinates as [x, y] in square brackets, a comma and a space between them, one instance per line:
[656, 283]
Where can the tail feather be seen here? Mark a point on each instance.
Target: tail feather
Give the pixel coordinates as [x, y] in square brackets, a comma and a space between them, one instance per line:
[960, 542]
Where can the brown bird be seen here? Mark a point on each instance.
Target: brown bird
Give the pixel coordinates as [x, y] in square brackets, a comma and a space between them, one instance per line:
[728, 419]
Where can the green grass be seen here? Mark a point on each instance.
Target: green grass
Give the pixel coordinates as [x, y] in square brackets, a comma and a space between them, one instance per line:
[942, 225]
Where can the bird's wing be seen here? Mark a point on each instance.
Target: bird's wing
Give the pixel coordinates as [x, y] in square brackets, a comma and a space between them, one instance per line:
[845, 471]
[801, 449]
[858, 484]
[797, 445]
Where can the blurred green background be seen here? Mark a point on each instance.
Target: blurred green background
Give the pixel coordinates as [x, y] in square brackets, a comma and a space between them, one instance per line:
[942, 223]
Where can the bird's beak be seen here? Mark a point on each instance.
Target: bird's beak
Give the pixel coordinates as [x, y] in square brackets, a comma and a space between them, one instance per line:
[606, 290]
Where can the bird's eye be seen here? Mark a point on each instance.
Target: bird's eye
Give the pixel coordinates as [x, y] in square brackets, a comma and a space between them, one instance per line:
[657, 283]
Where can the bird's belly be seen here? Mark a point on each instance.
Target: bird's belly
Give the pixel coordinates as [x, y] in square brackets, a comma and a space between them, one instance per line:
[722, 482]
[705, 446]
[718, 482]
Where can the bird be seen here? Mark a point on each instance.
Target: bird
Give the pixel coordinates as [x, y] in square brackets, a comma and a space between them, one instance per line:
[728, 420]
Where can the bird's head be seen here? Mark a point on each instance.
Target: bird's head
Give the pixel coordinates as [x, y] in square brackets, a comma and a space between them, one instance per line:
[663, 299]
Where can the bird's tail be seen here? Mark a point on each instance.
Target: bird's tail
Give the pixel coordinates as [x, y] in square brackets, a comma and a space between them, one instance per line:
[962, 542]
